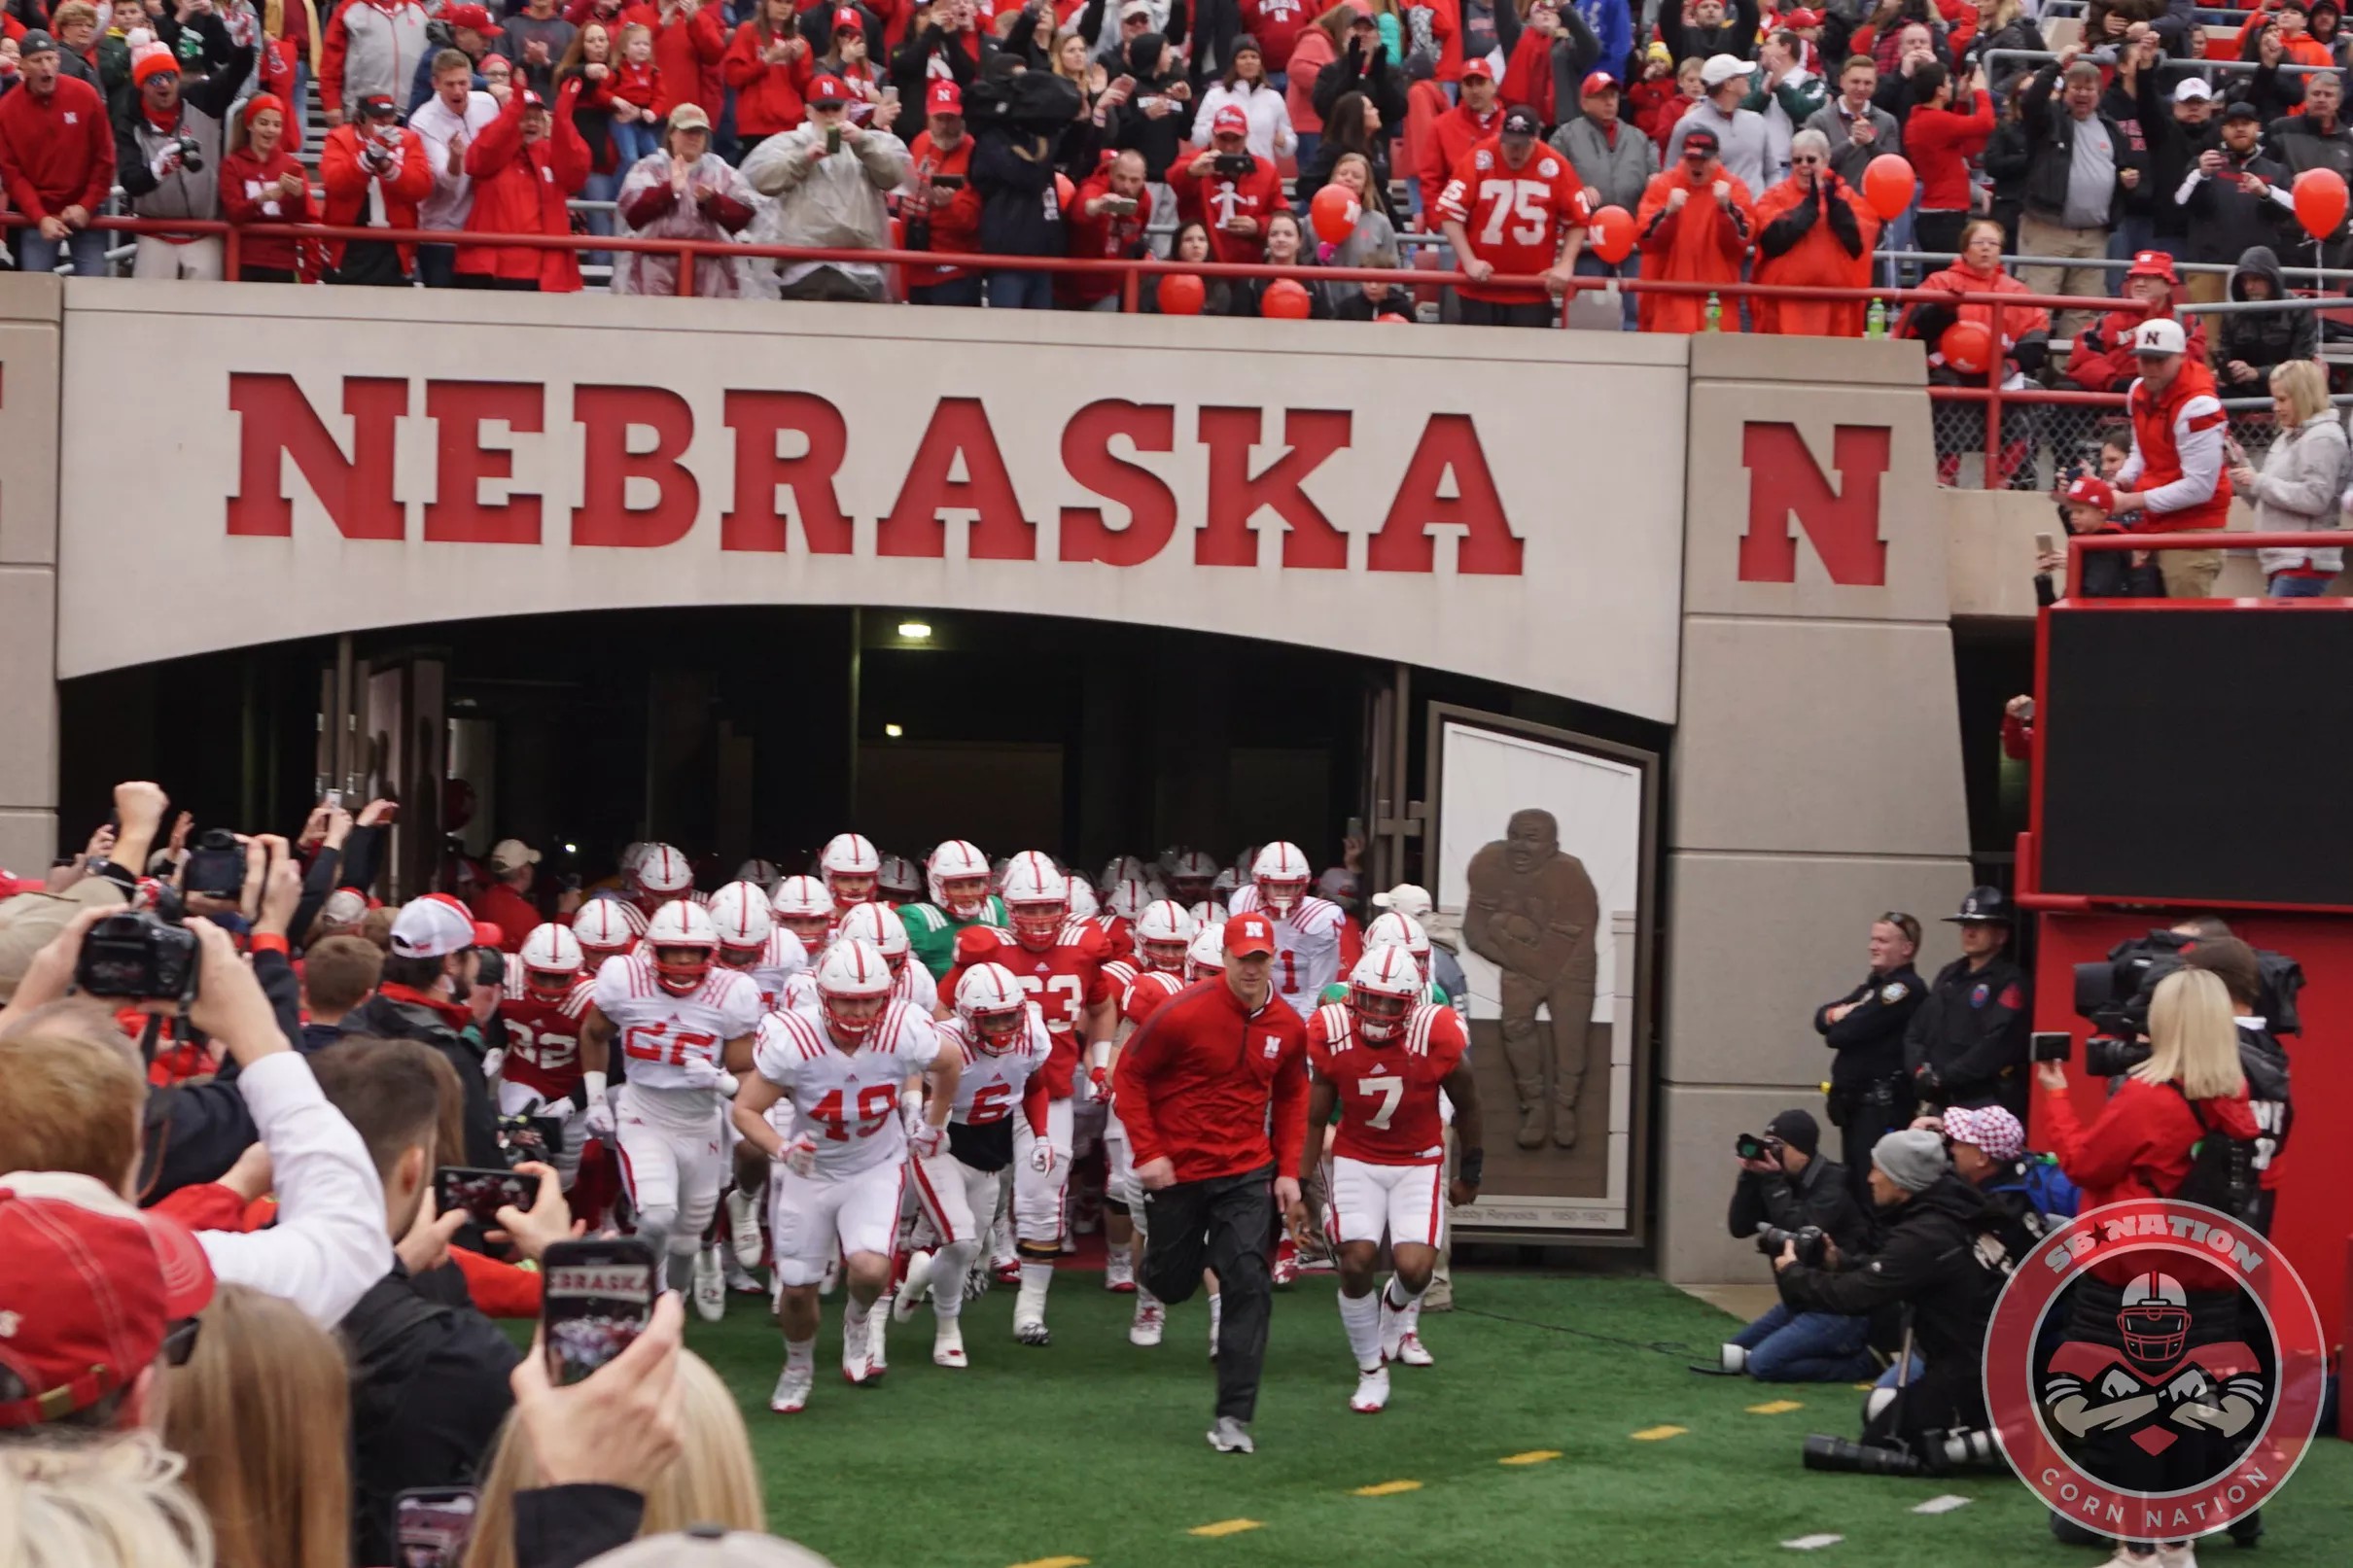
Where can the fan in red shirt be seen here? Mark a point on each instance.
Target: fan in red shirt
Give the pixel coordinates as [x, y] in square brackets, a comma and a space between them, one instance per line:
[262, 183]
[1108, 219]
[1947, 128]
[1453, 135]
[689, 40]
[942, 181]
[1230, 192]
[760, 66]
[506, 902]
[1276, 25]
[1520, 210]
[526, 166]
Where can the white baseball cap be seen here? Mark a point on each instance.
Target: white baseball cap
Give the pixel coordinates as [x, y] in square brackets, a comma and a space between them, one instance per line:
[1406, 898]
[512, 855]
[1722, 68]
[433, 927]
[2194, 90]
[2160, 336]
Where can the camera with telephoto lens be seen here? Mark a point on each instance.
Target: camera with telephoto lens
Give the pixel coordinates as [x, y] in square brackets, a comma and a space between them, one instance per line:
[1810, 1240]
[1933, 1454]
[2107, 1057]
[192, 155]
[216, 865]
[138, 955]
[2114, 995]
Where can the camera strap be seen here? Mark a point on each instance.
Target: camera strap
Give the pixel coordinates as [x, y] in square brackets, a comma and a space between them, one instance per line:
[148, 1039]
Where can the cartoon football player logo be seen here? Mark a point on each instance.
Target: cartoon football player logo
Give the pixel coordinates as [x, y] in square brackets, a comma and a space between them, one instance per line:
[2160, 1388]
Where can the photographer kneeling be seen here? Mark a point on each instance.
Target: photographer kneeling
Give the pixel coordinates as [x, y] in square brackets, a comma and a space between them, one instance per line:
[1932, 1264]
[1789, 1195]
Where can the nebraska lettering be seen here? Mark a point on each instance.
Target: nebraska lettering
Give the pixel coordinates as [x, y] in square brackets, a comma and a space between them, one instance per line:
[786, 451]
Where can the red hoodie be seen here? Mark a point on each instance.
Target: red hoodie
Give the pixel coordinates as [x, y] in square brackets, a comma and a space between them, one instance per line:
[1105, 236]
[1276, 25]
[521, 188]
[56, 152]
[768, 97]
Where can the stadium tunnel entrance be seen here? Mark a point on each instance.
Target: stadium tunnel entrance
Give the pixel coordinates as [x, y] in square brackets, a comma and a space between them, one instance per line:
[760, 731]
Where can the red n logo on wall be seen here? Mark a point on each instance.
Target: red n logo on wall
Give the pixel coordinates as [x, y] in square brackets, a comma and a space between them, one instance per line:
[1843, 525]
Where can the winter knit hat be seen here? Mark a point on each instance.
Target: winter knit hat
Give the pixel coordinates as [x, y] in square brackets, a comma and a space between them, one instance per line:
[1911, 1158]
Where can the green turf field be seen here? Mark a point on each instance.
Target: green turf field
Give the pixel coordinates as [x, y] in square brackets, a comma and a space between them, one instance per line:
[1091, 1450]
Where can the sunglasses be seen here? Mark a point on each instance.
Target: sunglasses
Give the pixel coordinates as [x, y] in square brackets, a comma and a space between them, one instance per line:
[1806, 160]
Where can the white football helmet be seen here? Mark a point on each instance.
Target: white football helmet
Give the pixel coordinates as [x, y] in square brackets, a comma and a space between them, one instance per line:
[662, 872]
[803, 907]
[1128, 898]
[1038, 900]
[1121, 868]
[1382, 990]
[1282, 875]
[1190, 874]
[993, 1006]
[740, 912]
[1209, 912]
[1164, 930]
[959, 879]
[899, 882]
[853, 987]
[1082, 900]
[602, 930]
[760, 872]
[852, 868]
[879, 925]
[1397, 929]
[631, 854]
[683, 943]
[1207, 955]
[551, 960]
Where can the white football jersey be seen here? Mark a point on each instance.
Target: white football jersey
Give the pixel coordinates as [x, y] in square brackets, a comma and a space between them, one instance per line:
[1307, 947]
[847, 1101]
[991, 1087]
[659, 1033]
[783, 958]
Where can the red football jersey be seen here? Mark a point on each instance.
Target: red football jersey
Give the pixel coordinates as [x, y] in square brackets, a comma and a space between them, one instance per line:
[1065, 981]
[544, 1040]
[1146, 991]
[1515, 218]
[1389, 1094]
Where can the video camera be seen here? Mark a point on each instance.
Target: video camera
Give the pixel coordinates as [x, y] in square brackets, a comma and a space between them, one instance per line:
[138, 955]
[2114, 994]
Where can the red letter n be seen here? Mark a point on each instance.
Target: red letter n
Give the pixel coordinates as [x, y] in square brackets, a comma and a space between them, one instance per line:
[1843, 525]
[275, 421]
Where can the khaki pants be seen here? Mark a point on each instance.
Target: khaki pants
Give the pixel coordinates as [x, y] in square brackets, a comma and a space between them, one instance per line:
[2037, 237]
[2189, 574]
[2207, 288]
[198, 260]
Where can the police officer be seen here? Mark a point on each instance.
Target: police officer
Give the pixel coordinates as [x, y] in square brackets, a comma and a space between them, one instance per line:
[1870, 1093]
[1967, 1044]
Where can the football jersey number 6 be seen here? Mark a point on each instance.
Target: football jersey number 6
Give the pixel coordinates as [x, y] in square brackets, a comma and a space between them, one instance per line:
[1522, 199]
[1390, 1090]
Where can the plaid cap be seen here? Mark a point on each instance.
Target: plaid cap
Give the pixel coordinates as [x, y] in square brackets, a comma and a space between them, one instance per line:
[1988, 1128]
[89, 1286]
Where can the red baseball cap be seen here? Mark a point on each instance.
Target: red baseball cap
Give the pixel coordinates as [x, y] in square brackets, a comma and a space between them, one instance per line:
[1597, 82]
[2153, 264]
[1480, 69]
[1801, 17]
[2091, 490]
[828, 89]
[848, 17]
[476, 17]
[93, 1287]
[1230, 118]
[944, 97]
[1245, 934]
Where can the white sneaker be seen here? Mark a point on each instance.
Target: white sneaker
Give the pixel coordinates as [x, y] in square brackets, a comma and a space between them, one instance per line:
[1372, 1390]
[1410, 1351]
[857, 1354]
[911, 1290]
[791, 1392]
[948, 1343]
[2176, 1556]
[1230, 1436]
[1119, 1271]
[2132, 1556]
[739, 1280]
[742, 1228]
[709, 1285]
[878, 1361]
[1150, 1318]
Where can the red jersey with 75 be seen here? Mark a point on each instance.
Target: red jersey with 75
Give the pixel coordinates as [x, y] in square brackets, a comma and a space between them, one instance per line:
[1389, 1094]
[1515, 218]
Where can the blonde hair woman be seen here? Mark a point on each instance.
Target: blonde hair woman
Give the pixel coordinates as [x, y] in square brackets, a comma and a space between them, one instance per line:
[263, 1412]
[2303, 482]
[712, 1481]
[109, 1504]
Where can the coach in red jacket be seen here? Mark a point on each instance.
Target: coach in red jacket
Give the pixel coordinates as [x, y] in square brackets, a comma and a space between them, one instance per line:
[1194, 1088]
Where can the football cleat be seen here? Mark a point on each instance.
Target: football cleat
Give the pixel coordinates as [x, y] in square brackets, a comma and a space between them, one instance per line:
[1150, 1318]
[878, 1360]
[1287, 1262]
[739, 1280]
[791, 1391]
[1119, 1271]
[709, 1285]
[1372, 1391]
[742, 1228]
[1032, 1331]
[948, 1343]
[1411, 1351]
[857, 1354]
[912, 1289]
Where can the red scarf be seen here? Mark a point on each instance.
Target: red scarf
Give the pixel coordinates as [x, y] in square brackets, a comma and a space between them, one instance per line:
[454, 1014]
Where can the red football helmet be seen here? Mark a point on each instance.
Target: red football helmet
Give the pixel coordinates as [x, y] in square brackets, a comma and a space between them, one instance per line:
[1038, 900]
[683, 943]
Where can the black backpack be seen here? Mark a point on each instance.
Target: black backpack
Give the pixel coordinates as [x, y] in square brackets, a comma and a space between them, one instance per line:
[2224, 1173]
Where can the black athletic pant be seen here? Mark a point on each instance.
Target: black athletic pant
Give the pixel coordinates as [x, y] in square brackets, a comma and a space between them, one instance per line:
[1222, 1224]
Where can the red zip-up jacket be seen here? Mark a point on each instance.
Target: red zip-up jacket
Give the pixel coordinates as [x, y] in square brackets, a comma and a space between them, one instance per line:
[56, 152]
[1939, 142]
[687, 53]
[2138, 1146]
[767, 98]
[1194, 1084]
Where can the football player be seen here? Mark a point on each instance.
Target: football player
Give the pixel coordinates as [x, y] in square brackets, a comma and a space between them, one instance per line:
[852, 868]
[607, 927]
[683, 1021]
[959, 880]
[752, 944]
[1163, 931]
[803, 907]
[1121, 907]
[1382, 1060]
[1002, 1042]
[1059, 962]
[899, 883]
[662, 875]
[839, 1171]
[1315, 940]
[546, 996]
[1396, 928]
[1191, 875]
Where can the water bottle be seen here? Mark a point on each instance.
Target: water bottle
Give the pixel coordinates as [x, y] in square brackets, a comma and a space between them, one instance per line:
[1875, 320]
[1715, 312]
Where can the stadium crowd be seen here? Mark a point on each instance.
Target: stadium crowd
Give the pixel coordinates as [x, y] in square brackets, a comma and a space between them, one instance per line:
[250, 1263]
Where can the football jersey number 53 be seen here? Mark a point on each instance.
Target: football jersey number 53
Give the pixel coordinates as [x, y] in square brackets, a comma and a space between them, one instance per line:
[1522, 199]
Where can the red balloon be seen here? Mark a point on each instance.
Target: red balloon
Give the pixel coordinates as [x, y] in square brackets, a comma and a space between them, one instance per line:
[1285, 298]
[1333, 213]
[1967, 346]
[1182, 295]
[1612, 235]
[1889, 184]
[2319, 201]
[1064, 190]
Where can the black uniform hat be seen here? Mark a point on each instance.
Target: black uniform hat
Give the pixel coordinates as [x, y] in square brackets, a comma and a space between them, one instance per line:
[1983, 906]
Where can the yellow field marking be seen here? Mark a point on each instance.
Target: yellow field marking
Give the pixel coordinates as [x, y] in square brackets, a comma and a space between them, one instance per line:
[1652, 1434]
[1225, 1527]
[1533, 1457]
[1055, 1562]
[1389, 1488]
[1865, 1389]
[1777, 1406]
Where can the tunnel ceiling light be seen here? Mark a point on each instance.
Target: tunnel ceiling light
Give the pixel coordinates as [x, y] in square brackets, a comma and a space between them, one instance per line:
[572, 849]
[892, 731]
[915, 631]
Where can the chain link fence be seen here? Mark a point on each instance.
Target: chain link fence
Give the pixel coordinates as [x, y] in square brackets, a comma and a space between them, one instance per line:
[2044, 440]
